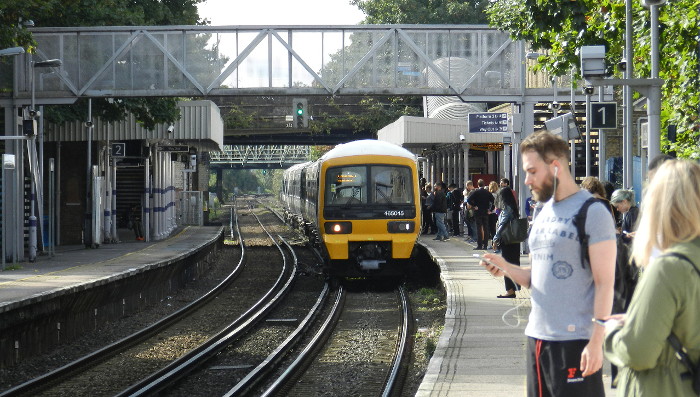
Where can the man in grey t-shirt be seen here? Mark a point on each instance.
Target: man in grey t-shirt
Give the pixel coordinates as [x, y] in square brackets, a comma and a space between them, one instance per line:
[565, 353]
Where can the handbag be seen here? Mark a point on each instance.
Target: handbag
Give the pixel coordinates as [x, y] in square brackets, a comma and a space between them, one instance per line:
[515, 231]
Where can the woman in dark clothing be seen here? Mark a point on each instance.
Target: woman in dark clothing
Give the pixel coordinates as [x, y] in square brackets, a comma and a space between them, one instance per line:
[623, 200]
[505, 200]
[493, 211]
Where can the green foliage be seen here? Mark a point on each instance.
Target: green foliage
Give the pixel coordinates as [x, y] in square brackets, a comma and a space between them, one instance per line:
[373, 113]
[318, 151]
[149, 111]
[247, 181]
[560, 28]
[238, 119]
[428, 296]
[422, 11]
[57, 13]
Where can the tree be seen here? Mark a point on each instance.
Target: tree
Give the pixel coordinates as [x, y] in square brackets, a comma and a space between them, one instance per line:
[560, 29]
[368, 114]
[373, 113]
[423, 11]
[56, 13]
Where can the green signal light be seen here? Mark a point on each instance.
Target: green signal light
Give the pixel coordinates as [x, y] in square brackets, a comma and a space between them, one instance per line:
[300, 111]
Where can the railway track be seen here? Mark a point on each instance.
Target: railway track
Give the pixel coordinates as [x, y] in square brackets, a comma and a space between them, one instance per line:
[121, 363]
[366, 353]
[182, 367]
[302, 346]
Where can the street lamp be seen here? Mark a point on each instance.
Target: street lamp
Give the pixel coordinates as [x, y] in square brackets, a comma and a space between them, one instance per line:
[36, 175]
[11, 51]
[51, 63]
[654, 99]
[9, 164]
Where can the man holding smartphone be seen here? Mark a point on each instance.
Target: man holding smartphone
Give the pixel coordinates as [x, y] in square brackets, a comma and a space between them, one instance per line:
[565, 353]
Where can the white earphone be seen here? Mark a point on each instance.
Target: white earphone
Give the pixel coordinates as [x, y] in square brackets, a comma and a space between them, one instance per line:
[556, 170]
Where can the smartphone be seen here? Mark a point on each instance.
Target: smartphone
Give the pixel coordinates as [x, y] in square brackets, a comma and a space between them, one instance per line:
[488, 261]
[599, 321]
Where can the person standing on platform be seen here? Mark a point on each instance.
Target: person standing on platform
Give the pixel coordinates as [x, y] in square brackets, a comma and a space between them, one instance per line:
[135, 222]
[493, 211]
[456, 201]
[505, 200]
[667, 299]
[564, 347]
[469, 212]
[481, 202]
[623, 200]
[423, 205]
[439, 210]
[429, 226]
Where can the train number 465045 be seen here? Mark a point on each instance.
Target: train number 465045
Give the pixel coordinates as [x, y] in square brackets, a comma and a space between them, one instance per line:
[393, 213]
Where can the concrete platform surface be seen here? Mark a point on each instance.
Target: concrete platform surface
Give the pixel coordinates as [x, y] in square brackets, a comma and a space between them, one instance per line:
[481, 351]
[75, 267]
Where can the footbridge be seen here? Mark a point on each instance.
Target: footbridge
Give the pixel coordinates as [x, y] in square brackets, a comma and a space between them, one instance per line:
[472, 62]
[259, 156]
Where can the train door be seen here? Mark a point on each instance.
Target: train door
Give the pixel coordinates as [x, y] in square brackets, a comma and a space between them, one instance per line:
[302, 192]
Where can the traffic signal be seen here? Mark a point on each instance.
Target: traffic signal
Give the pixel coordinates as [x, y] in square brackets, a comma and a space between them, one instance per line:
[299, 111]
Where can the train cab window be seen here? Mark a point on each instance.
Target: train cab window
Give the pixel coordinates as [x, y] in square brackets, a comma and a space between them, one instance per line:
[391, 184]
[346, 186]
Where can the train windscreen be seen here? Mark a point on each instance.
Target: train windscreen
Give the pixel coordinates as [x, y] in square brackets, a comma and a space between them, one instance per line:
[372, 184]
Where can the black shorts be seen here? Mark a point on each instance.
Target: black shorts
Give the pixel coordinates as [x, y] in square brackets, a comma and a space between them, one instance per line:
[553, 370]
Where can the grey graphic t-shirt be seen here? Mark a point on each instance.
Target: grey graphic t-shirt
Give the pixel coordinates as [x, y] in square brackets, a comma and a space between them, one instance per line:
[562, 289]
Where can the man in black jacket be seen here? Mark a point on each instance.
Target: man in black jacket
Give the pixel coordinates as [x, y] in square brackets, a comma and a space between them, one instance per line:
[439, 210]
[480, 201]
[455, 198]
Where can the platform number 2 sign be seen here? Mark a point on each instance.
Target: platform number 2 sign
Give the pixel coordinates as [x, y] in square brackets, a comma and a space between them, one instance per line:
[119, 149]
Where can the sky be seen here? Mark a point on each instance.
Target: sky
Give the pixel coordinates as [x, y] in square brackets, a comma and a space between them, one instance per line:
[280, 12]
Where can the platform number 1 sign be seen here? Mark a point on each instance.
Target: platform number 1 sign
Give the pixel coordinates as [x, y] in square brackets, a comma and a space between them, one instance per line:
[604, 115]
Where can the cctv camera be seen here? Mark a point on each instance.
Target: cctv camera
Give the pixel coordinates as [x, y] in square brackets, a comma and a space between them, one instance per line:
[649, 3]
[33, 113]
[622, 65]
[588, 90]
[171, 129]
[555, 105]
[462, 138]
[88, 124]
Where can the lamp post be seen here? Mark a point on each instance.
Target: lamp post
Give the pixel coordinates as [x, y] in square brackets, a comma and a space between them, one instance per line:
[36, 174]
[654, 98]
[8, 163]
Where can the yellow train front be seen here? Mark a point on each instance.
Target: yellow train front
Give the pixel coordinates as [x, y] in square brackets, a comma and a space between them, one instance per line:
[362, 204]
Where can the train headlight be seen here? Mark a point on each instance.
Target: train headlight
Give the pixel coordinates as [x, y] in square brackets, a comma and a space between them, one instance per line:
[338, 227]
[401, 226]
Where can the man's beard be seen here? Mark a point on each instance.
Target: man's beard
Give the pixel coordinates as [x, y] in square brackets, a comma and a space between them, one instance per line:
[546, 192]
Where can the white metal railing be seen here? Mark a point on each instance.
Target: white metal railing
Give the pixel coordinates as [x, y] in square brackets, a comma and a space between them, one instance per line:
[261, 154]
[190, 208]
[289, 60]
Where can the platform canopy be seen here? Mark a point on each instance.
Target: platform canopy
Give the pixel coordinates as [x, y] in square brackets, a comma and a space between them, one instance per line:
[419, 133]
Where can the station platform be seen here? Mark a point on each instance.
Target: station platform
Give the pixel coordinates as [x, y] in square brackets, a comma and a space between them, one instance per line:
[75, 268]
[481, 351]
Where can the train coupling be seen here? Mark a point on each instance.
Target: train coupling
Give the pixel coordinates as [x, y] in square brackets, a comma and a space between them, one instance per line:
[371, 264]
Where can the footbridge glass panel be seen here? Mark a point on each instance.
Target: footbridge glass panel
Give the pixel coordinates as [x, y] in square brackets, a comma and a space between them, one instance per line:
[198, 61]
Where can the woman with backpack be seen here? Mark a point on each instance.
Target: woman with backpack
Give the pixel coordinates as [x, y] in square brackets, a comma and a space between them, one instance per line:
[667, 299]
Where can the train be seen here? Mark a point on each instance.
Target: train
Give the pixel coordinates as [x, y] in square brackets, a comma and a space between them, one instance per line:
[360, 204]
